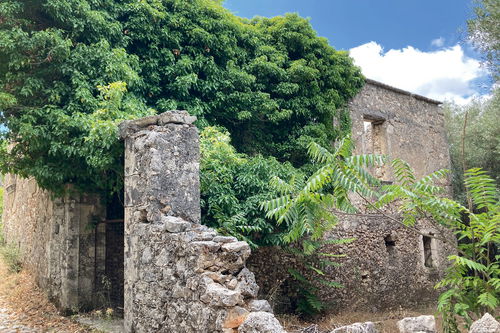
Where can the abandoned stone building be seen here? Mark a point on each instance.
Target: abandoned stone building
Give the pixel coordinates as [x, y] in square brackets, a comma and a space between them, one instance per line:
[170, 274]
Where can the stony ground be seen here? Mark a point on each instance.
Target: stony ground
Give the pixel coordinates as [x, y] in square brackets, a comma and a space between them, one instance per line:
[25, 309]
[386, 322]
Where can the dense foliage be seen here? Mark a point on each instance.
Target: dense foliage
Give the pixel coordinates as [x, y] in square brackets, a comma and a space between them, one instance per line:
[473, 280]
[233, 185]
[71, 69]
[307, 209]
[474, 142]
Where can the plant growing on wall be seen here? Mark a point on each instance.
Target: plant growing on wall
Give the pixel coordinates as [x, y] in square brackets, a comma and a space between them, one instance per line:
[472, 282]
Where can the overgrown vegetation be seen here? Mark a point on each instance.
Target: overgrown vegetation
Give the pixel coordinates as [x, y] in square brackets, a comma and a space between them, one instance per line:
[308, 208]
[9, 253]
[484, 31]
[305, 210]
[474, 137]
[232, 187]
[2, 238]
[472, 282]
[12, 257]
[70, 70]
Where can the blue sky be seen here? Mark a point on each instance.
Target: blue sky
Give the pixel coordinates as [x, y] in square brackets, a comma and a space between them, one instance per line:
[419, 46]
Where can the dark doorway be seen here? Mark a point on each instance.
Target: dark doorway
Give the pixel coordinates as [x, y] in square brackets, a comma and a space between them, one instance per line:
[114, 279]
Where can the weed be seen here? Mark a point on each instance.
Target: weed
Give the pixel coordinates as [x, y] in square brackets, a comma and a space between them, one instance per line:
[12, 257]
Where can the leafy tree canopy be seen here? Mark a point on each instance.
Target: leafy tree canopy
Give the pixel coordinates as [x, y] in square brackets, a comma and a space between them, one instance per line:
[70, 70]
[476, 145]
[484, 30]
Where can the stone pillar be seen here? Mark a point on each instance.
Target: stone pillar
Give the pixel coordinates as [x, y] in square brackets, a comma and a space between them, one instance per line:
[161, 178]
[180, 276]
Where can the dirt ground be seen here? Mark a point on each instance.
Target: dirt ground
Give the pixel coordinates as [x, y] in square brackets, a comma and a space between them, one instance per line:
[386, 322]
[25, 308]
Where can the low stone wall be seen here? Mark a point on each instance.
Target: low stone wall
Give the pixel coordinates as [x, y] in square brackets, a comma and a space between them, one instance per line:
[180, 276]
[55, 240]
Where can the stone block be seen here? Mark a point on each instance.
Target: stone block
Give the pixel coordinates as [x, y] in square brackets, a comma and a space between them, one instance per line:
[174, 224]
[247, 285]
[235, 317]
[218, 295]
[367, 327]
[261, 322]
[487, 324]
[176, 117]
[421, 324]
[259, 305]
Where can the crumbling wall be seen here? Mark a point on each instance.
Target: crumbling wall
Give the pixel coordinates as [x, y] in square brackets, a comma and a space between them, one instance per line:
[180, 276]
[407, 126]
[56, 241]
[388, 265]
[384, 268]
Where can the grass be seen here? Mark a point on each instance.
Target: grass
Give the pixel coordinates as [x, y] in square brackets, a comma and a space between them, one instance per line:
[11, 257]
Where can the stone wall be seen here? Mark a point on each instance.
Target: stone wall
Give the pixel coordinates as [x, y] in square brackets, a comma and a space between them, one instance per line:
[388, 265]
[57, 245]
[403, 125]
[180, 276]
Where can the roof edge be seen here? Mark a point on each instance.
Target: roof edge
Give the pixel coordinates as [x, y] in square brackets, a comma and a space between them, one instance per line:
[404, 92]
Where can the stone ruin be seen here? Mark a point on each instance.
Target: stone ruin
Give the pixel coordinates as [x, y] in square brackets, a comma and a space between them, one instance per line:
[388, 265]
[180, 276]
[170, 274]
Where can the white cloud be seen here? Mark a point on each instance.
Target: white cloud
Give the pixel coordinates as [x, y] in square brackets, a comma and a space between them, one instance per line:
[438, 42]
[445, 74]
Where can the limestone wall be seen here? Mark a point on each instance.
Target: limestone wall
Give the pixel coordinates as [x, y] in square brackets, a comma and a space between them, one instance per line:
[55, 240]
[180, 276]
[388, 265]
[403, 125]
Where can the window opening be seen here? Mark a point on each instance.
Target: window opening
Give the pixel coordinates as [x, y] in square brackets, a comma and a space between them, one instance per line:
[375, 142]
[390, 245]
[428, 261]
